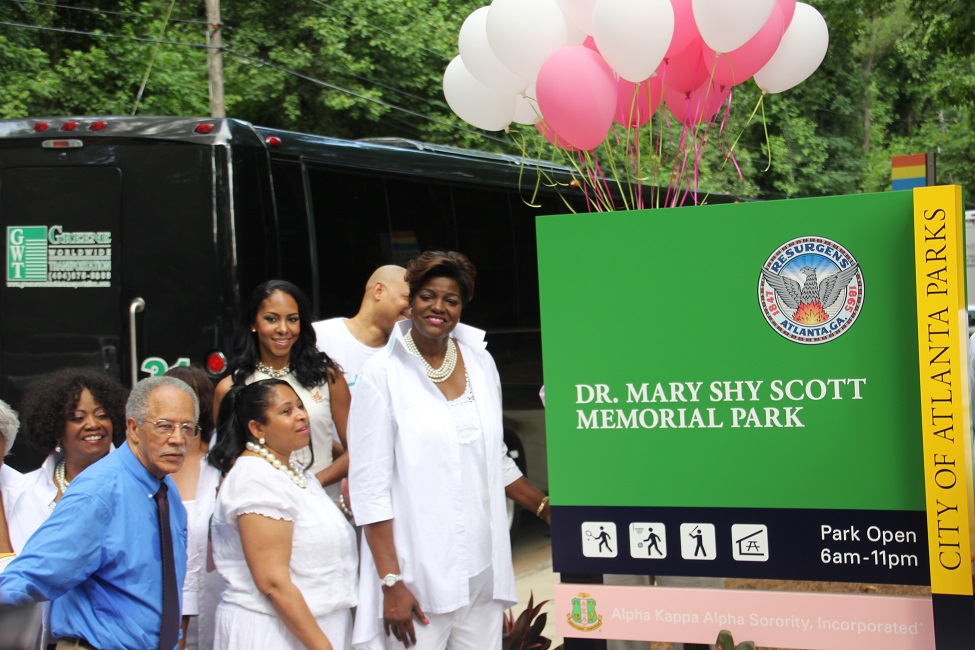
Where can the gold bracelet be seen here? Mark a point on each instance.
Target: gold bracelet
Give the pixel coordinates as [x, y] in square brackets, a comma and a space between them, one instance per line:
[541, 506]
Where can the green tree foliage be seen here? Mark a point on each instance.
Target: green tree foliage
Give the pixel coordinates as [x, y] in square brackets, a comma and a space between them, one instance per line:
[73, 60]
[890, 85]
[368, 67]
[899, 77]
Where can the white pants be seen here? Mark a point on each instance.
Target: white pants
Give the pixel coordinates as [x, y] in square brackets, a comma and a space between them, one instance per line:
[243, 629]
[474, 627]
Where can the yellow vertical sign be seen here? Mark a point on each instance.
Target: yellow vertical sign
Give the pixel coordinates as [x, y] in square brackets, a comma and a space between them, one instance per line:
[939, 251]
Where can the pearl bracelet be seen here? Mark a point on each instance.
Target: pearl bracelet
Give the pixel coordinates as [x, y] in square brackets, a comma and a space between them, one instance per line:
[344, 508]
[541, 506]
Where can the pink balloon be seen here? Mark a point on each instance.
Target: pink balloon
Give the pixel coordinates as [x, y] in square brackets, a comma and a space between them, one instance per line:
[552, 136]
[577, 95]
[685, 29]
[788, 9]
[590, 42]
[685, 71]
[739, 65]
[698, 106]
[636, 103]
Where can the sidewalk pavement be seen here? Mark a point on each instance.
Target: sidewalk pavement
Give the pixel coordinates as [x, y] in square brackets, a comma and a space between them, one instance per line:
[532, 557]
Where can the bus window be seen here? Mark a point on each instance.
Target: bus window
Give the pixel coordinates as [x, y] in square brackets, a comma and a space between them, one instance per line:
[351, 235]
[293, 236]
[421, 218]
[484, 235]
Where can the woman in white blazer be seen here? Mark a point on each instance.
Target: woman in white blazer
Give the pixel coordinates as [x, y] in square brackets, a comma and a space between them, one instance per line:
[429, 473]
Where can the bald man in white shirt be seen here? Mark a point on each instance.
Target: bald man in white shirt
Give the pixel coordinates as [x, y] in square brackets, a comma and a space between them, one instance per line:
[352, 341]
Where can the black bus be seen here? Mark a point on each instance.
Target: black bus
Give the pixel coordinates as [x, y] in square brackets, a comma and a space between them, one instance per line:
[130, 241]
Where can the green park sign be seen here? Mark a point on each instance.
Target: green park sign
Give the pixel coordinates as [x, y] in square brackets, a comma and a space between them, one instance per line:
[733, 390]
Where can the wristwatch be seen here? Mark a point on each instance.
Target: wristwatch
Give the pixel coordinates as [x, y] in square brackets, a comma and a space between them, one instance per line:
[391, 579]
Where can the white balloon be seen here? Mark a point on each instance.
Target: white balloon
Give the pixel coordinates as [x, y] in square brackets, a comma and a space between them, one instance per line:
[574, 35]
[726, 25]
[802, 49]
[578, 13]
[633, 35]
[523, 33]
[526, 107]
[480, 59]
[474, 102]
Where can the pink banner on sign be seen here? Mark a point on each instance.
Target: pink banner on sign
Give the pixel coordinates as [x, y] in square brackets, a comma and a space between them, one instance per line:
[811, 621]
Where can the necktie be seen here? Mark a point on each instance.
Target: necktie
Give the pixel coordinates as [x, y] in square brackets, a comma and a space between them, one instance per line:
[169, 628]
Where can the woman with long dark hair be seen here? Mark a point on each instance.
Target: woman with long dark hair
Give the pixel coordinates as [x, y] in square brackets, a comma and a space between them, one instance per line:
[275, 340]
[286, 554]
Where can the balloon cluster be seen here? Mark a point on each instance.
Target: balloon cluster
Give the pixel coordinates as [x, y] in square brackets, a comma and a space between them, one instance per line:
[574, 67]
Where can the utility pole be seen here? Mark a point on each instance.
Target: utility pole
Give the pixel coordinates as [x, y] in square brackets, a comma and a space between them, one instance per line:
[215, 59]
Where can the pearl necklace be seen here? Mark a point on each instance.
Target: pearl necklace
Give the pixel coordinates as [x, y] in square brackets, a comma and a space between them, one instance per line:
[271, 372]
[296, 476]
[446, 369]
[60, 478]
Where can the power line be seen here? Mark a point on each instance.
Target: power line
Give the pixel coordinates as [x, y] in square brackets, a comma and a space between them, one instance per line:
[348, 73]
[269, 64]
[353, 93]
[101, 11]
[80, 32]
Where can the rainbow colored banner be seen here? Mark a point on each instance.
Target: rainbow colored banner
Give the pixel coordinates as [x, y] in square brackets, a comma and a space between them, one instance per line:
[908, 172]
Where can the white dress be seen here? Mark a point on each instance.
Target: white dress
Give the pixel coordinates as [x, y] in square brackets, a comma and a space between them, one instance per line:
[201, 589]
[323, 564]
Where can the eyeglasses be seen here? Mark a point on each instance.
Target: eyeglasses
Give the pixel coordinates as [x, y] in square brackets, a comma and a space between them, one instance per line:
[165, 428]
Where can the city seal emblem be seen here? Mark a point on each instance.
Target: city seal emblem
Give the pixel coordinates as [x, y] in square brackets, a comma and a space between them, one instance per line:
[583, 616]
[811, 290]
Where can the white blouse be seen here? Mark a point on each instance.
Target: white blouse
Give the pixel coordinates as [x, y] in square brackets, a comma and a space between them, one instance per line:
[35, 503]
[323, 544]
[198, 512]
[406, 465]
[11, 487]
[37, 500]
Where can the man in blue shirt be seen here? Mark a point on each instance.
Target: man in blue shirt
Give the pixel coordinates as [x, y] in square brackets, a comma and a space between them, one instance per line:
[100, 557]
